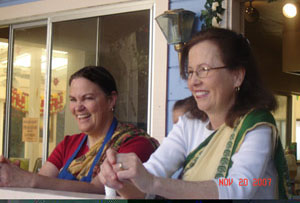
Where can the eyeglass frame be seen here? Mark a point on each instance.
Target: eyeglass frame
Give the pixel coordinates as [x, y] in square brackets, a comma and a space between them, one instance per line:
[205, 69]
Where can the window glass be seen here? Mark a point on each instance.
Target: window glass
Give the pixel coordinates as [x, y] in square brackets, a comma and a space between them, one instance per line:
[74, 46]
[27, 97]
[4, 32]
[280, 116]
[124, 50]
[296, 106]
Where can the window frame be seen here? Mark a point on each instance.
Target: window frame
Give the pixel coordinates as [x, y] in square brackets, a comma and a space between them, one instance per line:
[157, 81]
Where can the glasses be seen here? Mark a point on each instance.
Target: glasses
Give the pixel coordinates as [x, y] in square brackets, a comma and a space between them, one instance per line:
[202, 71]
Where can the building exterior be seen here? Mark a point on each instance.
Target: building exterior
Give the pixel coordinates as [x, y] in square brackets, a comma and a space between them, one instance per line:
[42, 42]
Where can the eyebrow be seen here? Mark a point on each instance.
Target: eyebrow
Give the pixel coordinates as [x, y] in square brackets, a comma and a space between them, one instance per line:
[87, 94]
[203, 64]
[199, 65]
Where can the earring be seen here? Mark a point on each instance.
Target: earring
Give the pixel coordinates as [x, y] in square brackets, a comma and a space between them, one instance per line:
[237, 89]
[112, 109]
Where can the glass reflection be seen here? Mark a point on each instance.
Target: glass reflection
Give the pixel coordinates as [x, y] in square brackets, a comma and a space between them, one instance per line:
[27, 95]
[124, 50]
[74, 46]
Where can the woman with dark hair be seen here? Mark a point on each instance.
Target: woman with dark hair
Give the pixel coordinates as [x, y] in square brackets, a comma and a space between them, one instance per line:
[230, 144]
[93, 95]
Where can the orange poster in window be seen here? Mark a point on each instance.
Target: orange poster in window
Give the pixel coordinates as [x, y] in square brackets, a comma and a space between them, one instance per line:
[30, 130]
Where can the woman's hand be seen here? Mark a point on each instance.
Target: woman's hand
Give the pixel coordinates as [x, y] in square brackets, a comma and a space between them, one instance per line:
[5, 160]
[120, 168]
[108, 175]
[13, 176]
[129, 167]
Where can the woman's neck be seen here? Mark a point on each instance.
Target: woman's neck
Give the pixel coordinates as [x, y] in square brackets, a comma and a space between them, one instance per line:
[216, 120]
[93, 138]
[218, 116]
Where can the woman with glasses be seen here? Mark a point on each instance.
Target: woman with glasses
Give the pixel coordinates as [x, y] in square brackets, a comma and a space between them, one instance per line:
[226, 144]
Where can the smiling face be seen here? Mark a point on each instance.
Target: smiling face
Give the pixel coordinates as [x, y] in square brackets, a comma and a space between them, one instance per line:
[91, 107]
[214, 94]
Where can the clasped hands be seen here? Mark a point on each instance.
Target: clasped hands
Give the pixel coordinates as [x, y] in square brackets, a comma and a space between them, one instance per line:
[119, 169]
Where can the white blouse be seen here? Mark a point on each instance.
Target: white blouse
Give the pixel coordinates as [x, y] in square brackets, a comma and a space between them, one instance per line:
[252, 163]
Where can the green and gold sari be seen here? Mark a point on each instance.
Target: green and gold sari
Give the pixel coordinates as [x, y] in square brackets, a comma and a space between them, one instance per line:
[212, 158]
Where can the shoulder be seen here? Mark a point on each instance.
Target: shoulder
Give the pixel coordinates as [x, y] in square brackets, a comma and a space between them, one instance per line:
[185, 131]
[141, 146]
[188, 124]
[188, 120]
[72, 139]
[128, 133]
[137, 143]
[258, 116]
[135, 140]
[258, 127]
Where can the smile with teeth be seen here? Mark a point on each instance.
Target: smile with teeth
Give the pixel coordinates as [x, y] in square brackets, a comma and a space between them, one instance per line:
[201, 93]
[81, 116]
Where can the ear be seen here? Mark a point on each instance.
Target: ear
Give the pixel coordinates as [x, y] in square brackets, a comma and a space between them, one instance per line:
[113, 99]
[239, 76]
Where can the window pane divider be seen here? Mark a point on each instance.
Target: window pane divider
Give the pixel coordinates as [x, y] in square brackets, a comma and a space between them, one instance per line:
[8, 92]
[47, 92]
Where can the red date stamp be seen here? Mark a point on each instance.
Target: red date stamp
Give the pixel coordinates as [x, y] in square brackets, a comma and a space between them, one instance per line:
[245, 182]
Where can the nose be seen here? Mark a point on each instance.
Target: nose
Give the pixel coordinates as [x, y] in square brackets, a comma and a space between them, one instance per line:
[195, 80]
[79, 106]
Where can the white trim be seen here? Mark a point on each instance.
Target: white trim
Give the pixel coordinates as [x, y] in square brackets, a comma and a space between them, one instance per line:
[159, 76]
[68, 13]
[102, 10]
[150, 71]
[30, 24]
[234, 18]
[46, 116]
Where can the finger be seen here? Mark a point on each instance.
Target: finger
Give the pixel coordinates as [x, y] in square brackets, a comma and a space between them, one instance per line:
[107, 170]
[131, 166]
[115, 184]
[111, 155]
[123, 158]
[118, 167]
[125, 175]
[126, 160]
[108, 177]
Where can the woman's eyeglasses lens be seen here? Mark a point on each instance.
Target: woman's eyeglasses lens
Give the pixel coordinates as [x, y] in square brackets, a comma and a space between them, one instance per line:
[201, 72]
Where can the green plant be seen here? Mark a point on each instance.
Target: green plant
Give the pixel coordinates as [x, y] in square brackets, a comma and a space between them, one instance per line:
[212, 15]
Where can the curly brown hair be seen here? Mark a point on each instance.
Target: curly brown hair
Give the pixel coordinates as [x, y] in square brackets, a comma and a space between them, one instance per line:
[235, 53]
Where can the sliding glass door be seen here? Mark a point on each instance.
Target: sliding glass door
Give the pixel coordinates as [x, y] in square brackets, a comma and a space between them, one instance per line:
[28, 87]
[118, 42]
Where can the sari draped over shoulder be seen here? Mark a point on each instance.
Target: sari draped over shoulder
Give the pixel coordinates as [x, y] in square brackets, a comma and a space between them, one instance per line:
[123, 133]
[212, 158]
